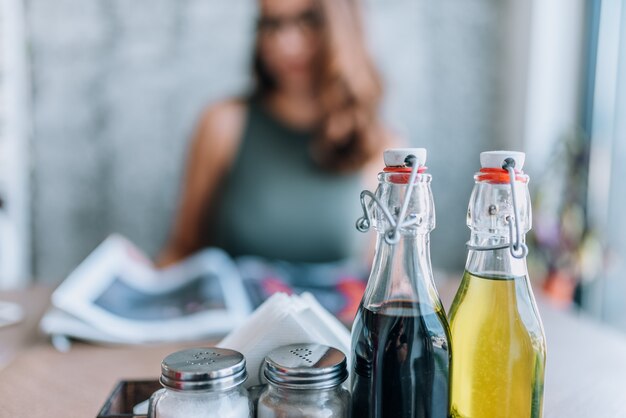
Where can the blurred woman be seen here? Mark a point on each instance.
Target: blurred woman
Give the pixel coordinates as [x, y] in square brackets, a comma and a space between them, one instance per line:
[278, 175]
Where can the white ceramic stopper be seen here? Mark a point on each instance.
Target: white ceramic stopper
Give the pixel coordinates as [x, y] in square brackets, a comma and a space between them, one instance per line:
[495, 159]
[396, 157]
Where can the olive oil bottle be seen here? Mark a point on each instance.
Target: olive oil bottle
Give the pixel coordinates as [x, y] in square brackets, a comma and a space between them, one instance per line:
[497, 336]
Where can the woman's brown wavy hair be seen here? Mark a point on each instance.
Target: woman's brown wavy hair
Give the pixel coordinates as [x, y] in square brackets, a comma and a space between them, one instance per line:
[349, 90]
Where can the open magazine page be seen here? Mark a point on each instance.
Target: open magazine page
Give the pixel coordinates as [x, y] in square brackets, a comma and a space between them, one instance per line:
[119, 294]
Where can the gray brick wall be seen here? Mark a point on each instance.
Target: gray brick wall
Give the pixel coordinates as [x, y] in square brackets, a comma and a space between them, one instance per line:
[117, 86]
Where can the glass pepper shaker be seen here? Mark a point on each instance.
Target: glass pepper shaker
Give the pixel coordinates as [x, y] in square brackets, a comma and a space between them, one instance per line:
[202, 383]
[305, 380]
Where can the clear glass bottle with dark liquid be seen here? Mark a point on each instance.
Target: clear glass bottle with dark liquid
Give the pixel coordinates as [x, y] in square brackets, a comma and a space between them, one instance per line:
[400, 336]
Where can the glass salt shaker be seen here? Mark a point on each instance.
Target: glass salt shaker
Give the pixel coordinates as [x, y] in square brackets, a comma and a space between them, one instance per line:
[202, 383]
[305, 380]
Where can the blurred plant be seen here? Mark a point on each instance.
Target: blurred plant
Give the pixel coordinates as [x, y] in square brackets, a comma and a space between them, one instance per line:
[567, 250]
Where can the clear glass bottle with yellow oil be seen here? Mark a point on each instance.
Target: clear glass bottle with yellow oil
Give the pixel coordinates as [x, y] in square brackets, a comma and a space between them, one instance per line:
[497, 336]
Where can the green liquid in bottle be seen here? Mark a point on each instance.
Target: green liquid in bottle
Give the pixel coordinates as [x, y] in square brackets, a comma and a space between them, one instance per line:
[498, 349]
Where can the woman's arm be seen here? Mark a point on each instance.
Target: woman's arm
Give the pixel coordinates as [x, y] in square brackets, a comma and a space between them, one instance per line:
[212, 150]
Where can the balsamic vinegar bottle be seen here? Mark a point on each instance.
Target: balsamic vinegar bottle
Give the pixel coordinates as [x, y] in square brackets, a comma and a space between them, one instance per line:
[497, 336]
[400, 337]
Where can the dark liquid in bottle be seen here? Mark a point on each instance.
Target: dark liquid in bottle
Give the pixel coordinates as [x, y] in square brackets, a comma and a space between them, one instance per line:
[401, 363]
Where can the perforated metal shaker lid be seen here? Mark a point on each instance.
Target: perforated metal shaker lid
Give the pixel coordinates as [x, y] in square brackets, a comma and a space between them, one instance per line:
[202, 369]
[306, 366]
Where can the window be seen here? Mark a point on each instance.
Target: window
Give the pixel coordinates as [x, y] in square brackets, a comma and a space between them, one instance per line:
[606, 294]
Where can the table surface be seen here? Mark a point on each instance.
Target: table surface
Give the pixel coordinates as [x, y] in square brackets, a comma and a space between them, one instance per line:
[585, 373]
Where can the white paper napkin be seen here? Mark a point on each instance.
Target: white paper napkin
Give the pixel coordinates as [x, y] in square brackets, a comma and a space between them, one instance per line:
[284, 320]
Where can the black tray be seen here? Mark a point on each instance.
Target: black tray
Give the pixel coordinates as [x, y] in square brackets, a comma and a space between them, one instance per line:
[125, 395]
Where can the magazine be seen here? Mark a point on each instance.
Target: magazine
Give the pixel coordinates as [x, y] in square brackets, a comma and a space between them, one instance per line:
[117, 296]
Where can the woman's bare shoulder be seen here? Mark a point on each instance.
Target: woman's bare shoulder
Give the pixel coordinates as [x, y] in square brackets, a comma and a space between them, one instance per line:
[224, 119]
[221, 125]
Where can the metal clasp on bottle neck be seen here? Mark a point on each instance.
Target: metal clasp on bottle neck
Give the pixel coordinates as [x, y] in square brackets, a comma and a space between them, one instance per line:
[517, 248]
[392, 234]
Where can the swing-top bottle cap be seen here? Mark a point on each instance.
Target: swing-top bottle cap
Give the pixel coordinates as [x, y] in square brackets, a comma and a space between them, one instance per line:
[396, 157]
[495, 159]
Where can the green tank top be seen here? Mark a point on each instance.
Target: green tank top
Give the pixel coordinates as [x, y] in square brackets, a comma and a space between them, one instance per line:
[278, 204]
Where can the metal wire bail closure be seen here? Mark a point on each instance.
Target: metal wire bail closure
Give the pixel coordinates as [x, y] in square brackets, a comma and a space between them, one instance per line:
[392, 234]
[516, 246]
